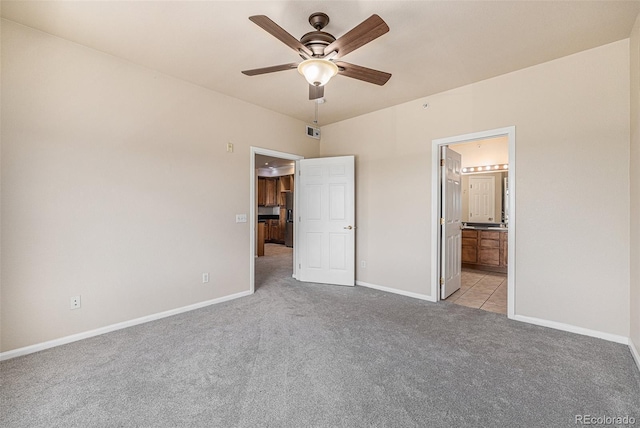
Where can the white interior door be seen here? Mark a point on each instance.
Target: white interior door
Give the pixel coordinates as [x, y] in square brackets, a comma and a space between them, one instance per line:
[451, 222]
[482, 197]
[326, 215]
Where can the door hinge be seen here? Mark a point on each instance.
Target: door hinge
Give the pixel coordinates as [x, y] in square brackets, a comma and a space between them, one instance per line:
[442, 281]
[441, 162]
[441, 220]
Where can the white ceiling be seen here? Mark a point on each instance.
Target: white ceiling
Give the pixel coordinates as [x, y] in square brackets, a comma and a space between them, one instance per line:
[432, 46]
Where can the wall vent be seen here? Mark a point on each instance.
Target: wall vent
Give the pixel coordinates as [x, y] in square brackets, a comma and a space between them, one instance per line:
[313, 132]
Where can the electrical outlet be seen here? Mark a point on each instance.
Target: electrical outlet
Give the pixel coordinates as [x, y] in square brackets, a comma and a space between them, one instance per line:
[363, 263]
[230, 147]
[241, 218]
[75, 302]
[205, 277]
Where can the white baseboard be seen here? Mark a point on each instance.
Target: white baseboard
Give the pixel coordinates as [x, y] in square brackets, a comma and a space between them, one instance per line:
[396, 291]
[573, 329]
[113, 327]
[635, 352]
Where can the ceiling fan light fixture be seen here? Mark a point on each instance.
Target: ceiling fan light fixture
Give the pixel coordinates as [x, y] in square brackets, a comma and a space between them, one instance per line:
[317, 71]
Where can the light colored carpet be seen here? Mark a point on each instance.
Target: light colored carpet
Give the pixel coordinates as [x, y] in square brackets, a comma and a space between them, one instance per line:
[277, 250]
[313, 355]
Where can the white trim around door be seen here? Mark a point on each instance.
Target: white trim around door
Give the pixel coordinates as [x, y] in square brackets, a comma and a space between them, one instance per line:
[253, 203]
[510, 133]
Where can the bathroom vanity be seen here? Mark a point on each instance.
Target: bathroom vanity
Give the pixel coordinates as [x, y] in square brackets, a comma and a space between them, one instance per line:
[485, 248]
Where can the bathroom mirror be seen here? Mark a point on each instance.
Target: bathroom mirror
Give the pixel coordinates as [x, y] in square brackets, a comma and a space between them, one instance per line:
[484, 198]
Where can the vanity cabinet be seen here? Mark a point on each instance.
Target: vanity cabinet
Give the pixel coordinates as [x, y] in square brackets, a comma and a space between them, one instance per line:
[470, 246]
[489, 248]
[485, 250]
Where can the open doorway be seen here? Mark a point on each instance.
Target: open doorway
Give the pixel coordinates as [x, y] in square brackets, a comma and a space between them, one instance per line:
[272, 209]
[323, 230]
[473, 241]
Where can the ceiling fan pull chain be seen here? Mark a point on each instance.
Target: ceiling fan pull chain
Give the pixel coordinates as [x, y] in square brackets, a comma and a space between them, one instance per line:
[316, 117]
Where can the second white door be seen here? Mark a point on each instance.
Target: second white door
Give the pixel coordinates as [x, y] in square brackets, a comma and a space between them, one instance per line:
[326, 215]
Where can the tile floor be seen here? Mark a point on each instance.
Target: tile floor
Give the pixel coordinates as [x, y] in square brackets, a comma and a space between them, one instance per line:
[482, 290]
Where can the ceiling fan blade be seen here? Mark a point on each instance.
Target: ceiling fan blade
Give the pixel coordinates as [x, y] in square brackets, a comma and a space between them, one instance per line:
[362, 73]
[368, 30]
[316, 92]
[279, 33]
[273, 68]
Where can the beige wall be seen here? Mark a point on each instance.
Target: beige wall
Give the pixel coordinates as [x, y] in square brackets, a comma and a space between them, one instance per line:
[116, 185]
[635, 184]
[572, 118]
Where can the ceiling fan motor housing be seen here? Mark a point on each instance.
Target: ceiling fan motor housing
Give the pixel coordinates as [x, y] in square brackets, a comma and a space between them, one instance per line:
[316, 41]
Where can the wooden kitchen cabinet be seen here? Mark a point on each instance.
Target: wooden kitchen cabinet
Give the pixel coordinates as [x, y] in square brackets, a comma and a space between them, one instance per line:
[272, 231]
[285, 185]
[267, 191]
[271, 197]
[262, 191]
[272, 191]
[282, 224]
[267, 231]
[485, 250]
[278, 236]
[260, 245]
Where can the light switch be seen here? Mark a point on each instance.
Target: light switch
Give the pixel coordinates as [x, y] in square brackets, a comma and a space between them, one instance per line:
[241, 218]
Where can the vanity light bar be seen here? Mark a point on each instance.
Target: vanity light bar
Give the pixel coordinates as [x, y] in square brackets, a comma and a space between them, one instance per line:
[485, 168]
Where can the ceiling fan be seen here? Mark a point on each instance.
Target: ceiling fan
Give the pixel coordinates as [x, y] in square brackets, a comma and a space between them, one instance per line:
[320, 50]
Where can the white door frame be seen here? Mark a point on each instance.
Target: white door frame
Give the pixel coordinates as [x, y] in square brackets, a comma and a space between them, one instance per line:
[253, 203]
[510, 133]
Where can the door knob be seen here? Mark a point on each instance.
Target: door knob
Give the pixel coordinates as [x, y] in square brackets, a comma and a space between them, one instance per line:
[349, 227]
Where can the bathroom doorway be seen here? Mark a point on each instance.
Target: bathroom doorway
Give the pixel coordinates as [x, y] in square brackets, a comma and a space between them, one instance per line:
[484, 249]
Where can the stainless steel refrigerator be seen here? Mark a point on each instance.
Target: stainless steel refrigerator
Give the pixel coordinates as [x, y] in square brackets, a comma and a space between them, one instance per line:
[288, 233]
